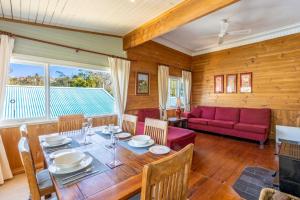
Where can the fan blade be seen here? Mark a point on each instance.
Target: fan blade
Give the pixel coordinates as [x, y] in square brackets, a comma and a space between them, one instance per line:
[240, 32]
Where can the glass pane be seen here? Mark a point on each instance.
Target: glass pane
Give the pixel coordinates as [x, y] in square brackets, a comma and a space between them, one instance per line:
[25, 92]
[173, 87]
[80, 91]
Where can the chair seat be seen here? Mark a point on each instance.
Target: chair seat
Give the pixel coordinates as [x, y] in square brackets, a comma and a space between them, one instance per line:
[44, 182]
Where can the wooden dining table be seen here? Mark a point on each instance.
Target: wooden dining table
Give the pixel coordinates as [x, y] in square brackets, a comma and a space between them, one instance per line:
[121, 182]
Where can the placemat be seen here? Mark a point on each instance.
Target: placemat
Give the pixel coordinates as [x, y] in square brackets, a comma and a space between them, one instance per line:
[97, 168]
[136, 150]
[104, 135]
[71, 145]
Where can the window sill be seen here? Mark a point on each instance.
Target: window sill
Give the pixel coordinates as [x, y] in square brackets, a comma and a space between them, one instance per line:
[14, 124]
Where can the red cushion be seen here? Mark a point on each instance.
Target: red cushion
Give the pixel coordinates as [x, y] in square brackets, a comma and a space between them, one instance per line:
[208, 112]
[220, 123]
[196, 112]
[227, 114]
[148, 113]
[251, 128]
[255, 116]
[198, 121]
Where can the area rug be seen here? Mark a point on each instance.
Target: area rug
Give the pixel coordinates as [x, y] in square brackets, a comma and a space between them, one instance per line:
[252, 181]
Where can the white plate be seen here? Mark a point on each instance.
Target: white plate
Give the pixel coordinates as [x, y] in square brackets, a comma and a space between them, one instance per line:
[131, 143]
[83, 164]
[65, 141]
[61, 152]
[123, 135]
[159, 149]
[115, 131]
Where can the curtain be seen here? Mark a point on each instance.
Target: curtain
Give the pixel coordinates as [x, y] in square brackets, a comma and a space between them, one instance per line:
[120, 70]
[163, 87]
[6, 47]
[187, 87]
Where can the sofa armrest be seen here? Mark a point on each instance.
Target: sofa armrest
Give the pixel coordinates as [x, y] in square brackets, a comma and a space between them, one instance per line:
[187, 114]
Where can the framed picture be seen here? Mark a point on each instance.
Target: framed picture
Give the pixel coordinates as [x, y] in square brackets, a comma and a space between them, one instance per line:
[246, 82]
[219, 84]
[142, 83]
[231, 83]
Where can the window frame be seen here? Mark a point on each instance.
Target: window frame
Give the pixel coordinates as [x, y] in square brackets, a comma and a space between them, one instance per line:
[178, 86]
[46, 63]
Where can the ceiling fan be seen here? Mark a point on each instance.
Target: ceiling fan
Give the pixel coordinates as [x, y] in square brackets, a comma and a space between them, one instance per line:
[224, 31]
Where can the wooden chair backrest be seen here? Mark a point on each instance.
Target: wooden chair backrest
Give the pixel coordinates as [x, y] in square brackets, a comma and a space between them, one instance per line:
[168, 178]
[24, 131]
[157, 130]
[28, 165]
[68, 123]
[129, 123]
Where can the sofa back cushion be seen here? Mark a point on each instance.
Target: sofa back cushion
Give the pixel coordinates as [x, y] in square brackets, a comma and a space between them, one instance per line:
[255, 116]
[227, 114]
[196, 112]
[148, 113]
[208, 112]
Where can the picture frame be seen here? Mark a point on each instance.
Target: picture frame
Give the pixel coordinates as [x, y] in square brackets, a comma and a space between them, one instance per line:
[231, 83]
[246, 82]
[219, 83]
[142, 83]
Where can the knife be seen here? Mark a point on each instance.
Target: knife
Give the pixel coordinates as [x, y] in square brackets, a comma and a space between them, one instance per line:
[79, 177]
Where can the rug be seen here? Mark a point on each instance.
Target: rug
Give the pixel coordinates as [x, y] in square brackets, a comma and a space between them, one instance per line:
[252, 181]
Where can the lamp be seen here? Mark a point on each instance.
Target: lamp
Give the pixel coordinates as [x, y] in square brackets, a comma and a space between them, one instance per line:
[178, 110]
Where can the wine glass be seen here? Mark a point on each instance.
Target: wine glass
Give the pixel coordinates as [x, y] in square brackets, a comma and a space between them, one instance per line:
[90, 125]
[114, 163]
[84, 132]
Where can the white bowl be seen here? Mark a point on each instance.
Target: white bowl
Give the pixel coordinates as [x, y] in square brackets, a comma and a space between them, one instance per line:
[141, 139]
[69, 160]
[55, 139]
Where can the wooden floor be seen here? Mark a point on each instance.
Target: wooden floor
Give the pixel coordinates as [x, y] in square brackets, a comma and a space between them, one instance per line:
[218, 162]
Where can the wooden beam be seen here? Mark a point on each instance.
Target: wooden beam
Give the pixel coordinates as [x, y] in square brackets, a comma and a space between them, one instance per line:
[57, 27]
[185, 12]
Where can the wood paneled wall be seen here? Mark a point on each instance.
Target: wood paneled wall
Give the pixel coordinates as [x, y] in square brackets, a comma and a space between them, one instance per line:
[11, 137]
[146, 59]
[276, 77]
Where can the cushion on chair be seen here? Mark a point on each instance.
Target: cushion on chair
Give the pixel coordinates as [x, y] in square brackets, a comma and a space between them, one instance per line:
[198, 121]
[208, 112]
[220, 123]
[196, 112]
[227, 114]
[44, 180]
[251, 128]
[148, 113]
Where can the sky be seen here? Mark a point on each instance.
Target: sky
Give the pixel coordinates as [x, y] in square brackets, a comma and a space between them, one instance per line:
[23, 70]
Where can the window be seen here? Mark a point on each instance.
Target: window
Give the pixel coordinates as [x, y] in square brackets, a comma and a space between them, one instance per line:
[175, 90]
[46, 91]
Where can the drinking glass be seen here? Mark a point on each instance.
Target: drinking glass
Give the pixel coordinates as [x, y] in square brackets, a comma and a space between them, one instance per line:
[90, 125]
[114, 163]
[84, 132]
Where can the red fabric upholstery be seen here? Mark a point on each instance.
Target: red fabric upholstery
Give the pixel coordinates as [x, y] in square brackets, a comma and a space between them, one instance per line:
[148, 113]
[251, 127]
[198, 120]
[208, 112]
[220, 123]
[196, 112]
[255, 116]
[177, 138]
[227, 114]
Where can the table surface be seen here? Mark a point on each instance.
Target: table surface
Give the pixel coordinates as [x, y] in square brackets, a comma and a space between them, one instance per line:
[118, 183]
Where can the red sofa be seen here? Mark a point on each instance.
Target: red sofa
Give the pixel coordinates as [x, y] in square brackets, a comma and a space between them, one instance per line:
[177, 138]
[249, 123]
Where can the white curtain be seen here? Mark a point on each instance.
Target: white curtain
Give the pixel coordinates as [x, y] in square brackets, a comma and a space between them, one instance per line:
[187, 87]
[163, 87]
[6, 47]
[120, 70]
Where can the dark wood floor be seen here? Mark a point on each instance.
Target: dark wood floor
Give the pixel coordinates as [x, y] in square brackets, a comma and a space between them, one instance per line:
[218, 161]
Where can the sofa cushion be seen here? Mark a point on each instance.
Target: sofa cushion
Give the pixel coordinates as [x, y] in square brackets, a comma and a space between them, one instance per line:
[251, 128]
[196, 112]
[198, 121]
[220, 123]
[208, 112]
[255, 116]
[148, 113]
[227, 114]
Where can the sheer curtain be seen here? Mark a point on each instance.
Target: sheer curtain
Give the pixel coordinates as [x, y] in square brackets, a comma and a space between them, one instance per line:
[120, 70]
[163, 87]
[6, 47]
[187, 87]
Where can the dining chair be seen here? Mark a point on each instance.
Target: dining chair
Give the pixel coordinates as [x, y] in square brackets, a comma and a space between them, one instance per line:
[129, 123]
[68, 124]
[157, 130]
[40, 183]
[168, 177]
